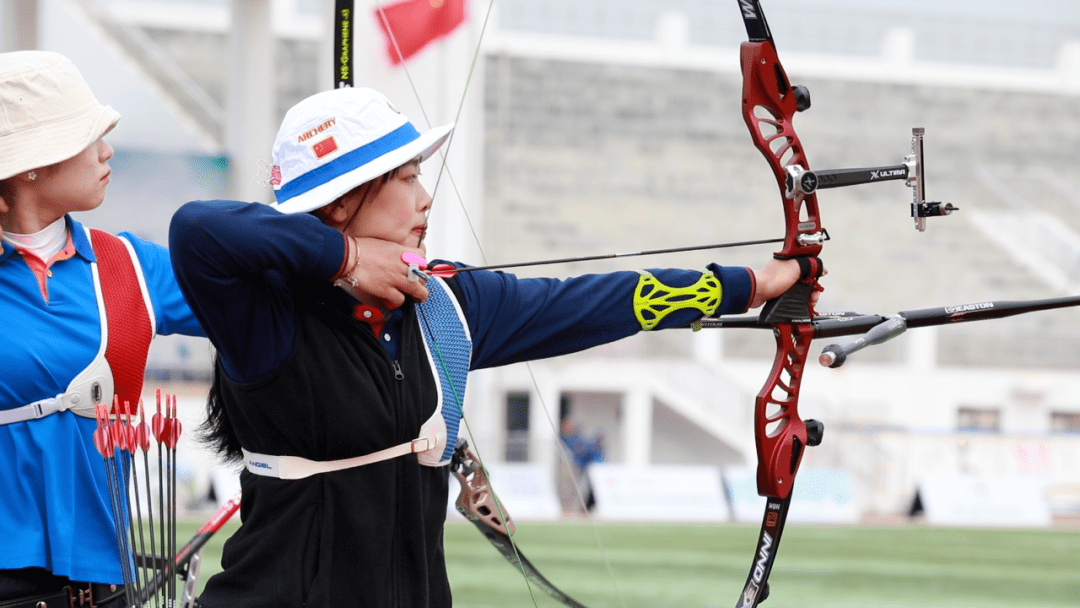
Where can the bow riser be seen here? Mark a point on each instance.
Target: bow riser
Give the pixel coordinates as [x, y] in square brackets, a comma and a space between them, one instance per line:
[769, 103]
[781, 435]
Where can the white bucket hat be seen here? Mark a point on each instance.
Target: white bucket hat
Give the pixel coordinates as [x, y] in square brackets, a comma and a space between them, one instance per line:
[336, 140]
[47, 111]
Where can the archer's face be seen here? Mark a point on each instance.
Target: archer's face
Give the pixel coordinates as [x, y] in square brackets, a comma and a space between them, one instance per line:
[396, 213]
[75, 184]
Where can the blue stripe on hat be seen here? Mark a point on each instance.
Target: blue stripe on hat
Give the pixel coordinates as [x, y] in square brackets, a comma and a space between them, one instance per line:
[345, 163]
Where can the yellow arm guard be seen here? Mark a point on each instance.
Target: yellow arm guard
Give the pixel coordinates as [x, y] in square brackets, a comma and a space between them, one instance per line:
[653, 300]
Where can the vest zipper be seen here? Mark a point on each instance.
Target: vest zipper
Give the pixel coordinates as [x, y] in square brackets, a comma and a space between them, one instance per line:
[397, 370]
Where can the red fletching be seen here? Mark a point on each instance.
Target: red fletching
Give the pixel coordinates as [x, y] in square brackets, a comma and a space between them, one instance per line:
[172, 433]
[177, 426]
[158, 426]
[142, 436]
[101, 413]
[103, 442]
[171, 430]
[131, 442]
[123, 408]
[157, 423]
[116, 435]
[444, 271]
[142, 431]
[132, 436]
[121, 437]
[102, 437]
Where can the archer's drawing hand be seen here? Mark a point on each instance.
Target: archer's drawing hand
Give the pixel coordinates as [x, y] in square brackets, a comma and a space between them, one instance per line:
[777, 277]
[380, 278]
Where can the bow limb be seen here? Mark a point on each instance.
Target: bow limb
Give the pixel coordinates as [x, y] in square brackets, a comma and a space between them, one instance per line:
[769, 102]
[477, 503]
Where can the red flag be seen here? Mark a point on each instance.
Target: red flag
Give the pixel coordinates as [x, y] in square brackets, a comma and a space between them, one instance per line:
[411, 25]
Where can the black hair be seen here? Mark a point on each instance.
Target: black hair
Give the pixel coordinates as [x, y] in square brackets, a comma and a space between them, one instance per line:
[217, 431]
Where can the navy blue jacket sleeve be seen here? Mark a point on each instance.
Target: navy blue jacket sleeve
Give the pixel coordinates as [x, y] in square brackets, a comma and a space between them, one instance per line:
[514, 319]
[236, 264]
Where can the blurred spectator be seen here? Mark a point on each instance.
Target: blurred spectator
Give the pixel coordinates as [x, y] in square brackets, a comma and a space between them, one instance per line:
[575, 491]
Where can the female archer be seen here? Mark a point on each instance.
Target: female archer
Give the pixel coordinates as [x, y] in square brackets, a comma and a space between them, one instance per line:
[80, 309]
[339, 379]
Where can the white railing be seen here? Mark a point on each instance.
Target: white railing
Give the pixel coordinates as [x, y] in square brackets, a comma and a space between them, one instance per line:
[205, 117]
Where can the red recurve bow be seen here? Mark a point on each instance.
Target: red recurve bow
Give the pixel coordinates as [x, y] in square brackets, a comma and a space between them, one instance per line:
[769, 102]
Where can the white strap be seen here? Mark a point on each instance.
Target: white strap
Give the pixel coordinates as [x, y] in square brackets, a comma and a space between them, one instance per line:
[88, 389]
[37, 409]
[295, 467]
[94, 384]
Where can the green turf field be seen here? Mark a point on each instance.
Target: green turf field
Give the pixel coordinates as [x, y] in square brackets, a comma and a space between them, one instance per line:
[652, 566]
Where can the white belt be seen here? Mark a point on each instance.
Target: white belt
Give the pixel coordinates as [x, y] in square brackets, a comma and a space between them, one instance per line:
[295, 467]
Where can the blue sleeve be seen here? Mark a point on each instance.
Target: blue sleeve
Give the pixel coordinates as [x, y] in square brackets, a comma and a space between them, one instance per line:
[171, 311]
[514, 319]
[237, 263]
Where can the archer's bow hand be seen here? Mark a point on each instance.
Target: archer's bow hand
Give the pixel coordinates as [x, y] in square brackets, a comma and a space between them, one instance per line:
[379, 277]
[779, 276]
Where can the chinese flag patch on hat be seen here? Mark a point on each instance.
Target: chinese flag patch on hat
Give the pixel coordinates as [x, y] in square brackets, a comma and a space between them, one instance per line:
[324, 147]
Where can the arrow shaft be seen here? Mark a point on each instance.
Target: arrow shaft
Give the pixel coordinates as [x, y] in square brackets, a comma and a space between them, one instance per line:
[609, 256]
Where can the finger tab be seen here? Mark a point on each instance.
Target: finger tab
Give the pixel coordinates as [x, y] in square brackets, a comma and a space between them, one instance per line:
[413, 259]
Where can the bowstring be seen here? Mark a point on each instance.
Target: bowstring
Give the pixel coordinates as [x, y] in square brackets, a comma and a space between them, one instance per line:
[460, 403]
[561, 448]
[444, 151]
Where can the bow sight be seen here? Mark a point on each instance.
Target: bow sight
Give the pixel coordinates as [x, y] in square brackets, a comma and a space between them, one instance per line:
[800, 181]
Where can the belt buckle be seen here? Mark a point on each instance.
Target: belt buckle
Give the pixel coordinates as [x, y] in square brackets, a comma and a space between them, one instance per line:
[85, 596]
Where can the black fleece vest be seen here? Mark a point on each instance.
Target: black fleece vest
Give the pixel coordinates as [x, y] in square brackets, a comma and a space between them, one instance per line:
[367, 536]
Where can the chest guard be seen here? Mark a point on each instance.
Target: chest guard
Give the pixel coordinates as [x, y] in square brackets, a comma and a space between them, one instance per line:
[448, 346]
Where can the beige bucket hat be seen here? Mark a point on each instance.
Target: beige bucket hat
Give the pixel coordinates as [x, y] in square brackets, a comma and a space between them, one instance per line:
[47, 111]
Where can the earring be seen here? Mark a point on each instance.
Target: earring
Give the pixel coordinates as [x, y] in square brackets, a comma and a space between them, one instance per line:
[31, 175]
